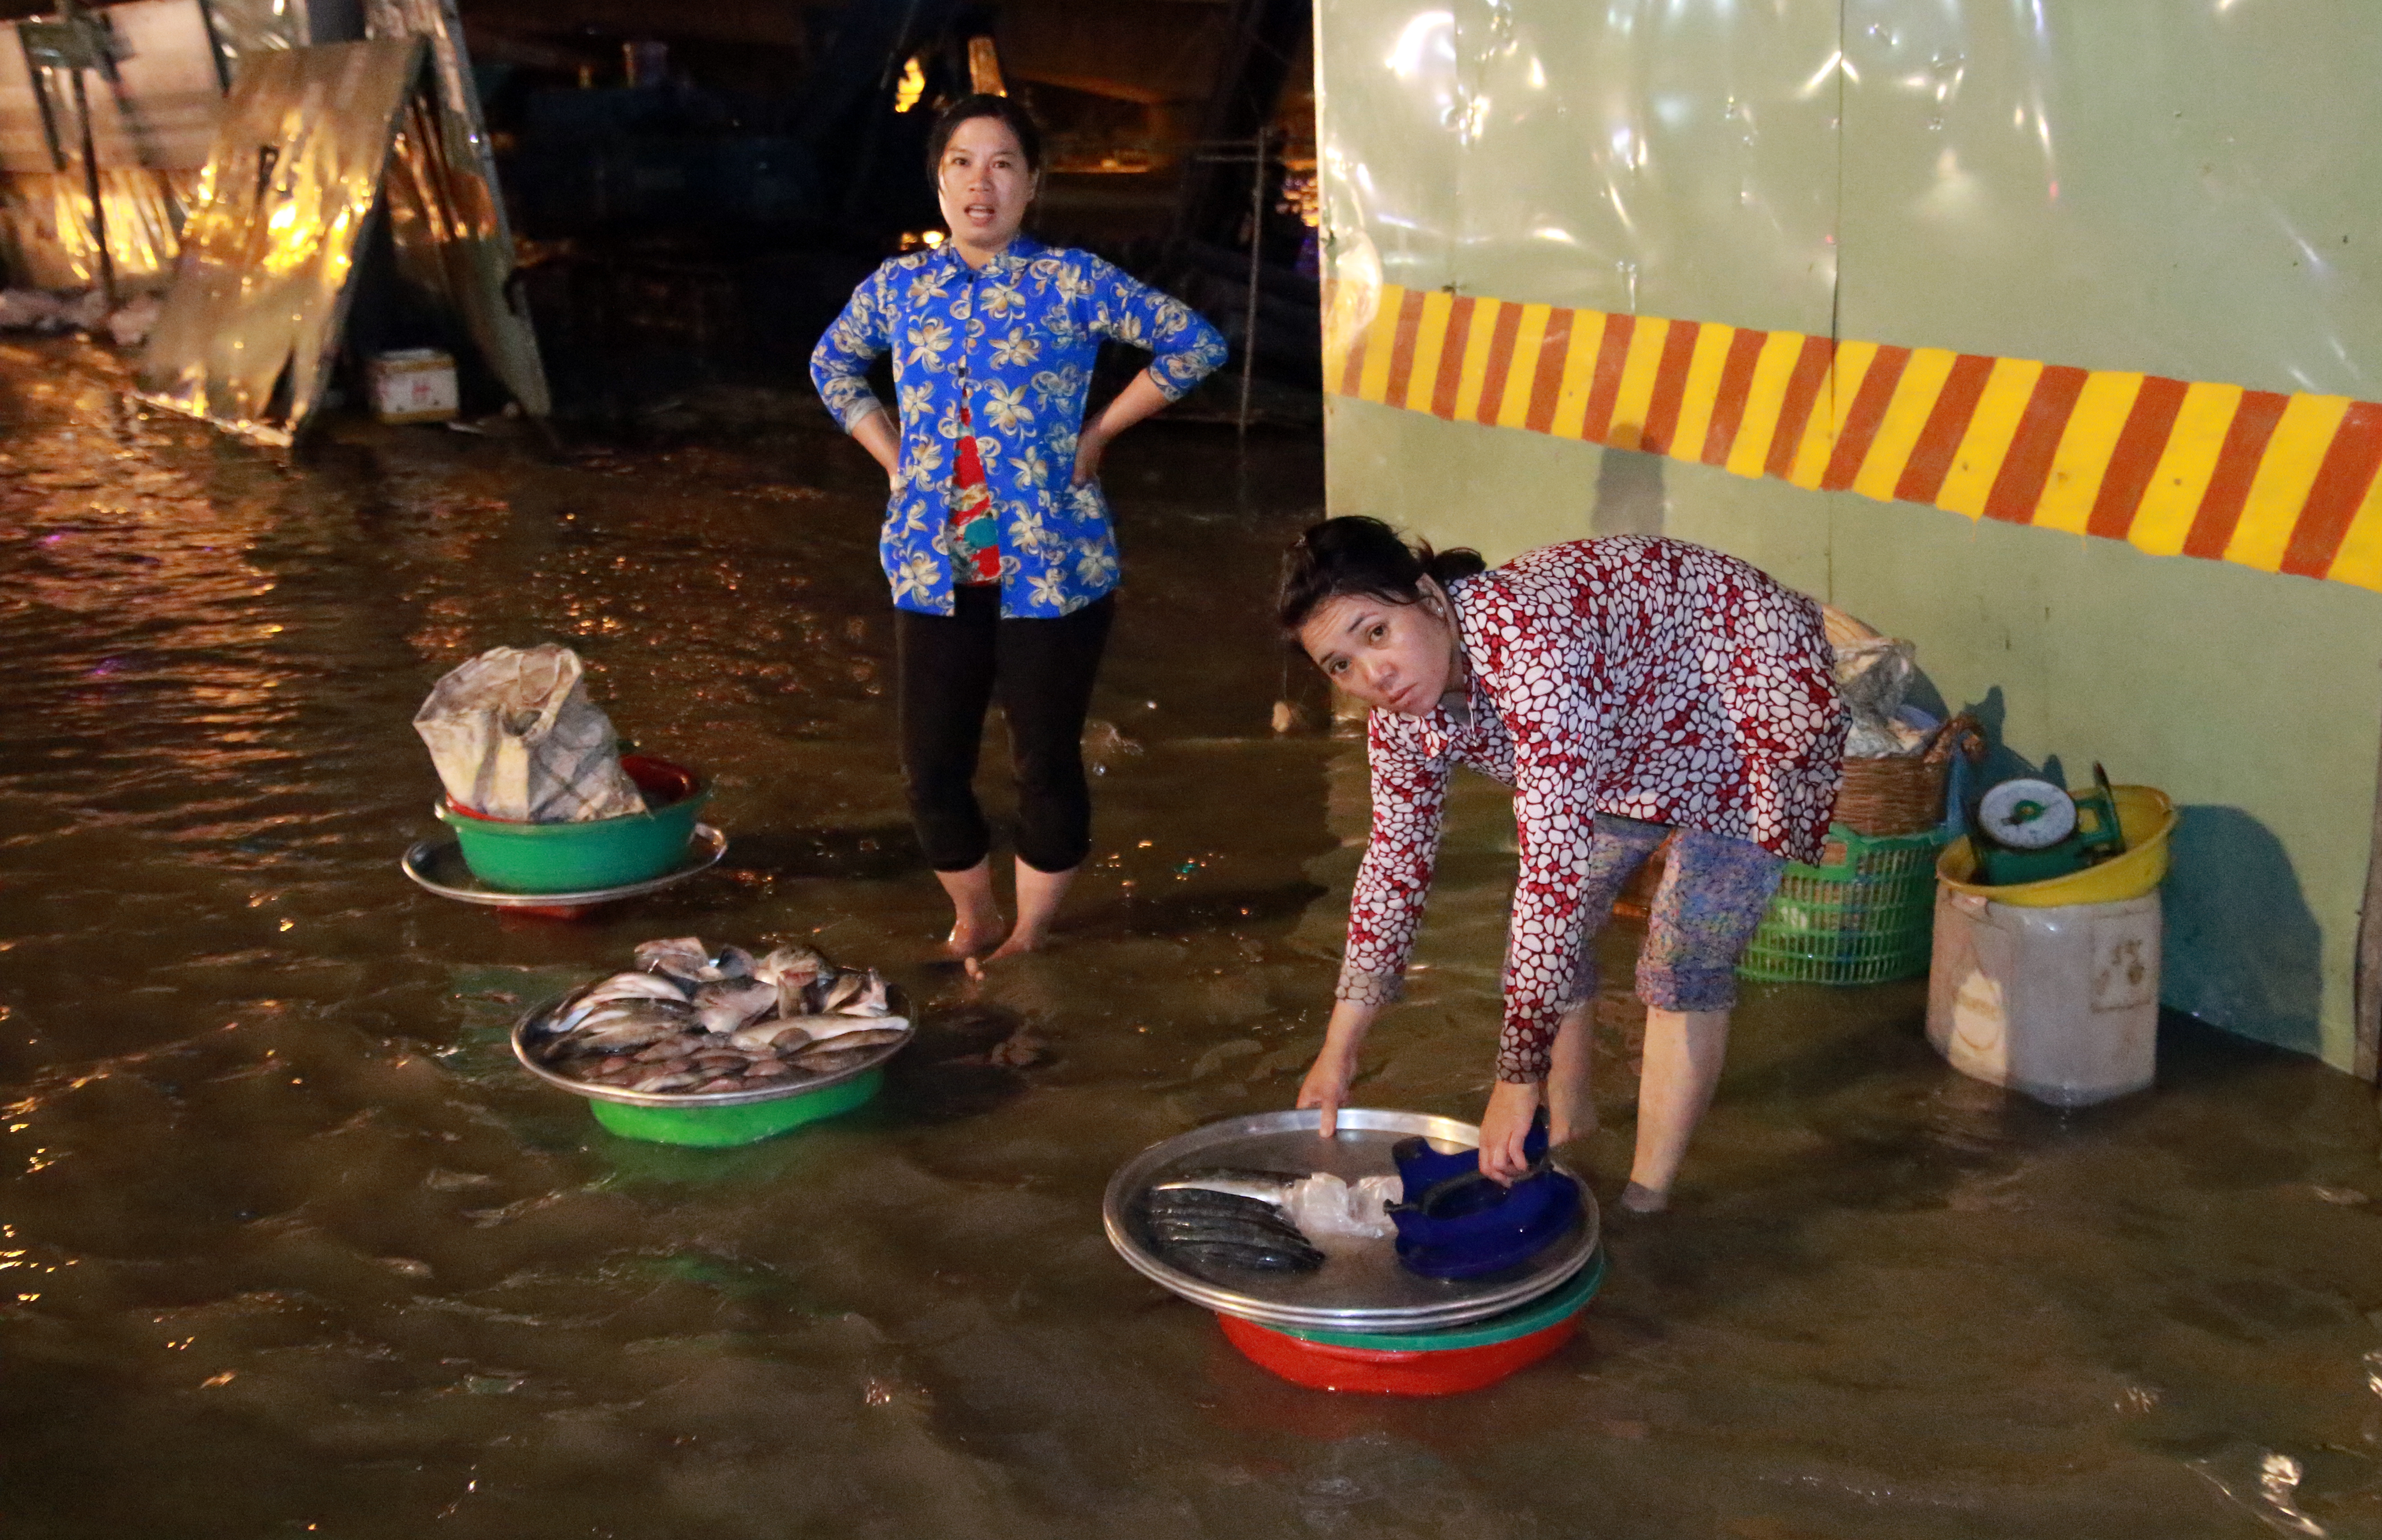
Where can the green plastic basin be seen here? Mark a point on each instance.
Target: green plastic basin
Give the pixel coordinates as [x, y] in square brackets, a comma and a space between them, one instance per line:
[1567, 1300]
[716, 1127]
[580, 858]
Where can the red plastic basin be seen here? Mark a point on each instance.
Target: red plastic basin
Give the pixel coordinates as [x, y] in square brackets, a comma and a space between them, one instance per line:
[1449, 1371]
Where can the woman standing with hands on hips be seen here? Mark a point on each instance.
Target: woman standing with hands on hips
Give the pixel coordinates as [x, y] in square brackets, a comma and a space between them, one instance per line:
[997, 539]
[1625, 687]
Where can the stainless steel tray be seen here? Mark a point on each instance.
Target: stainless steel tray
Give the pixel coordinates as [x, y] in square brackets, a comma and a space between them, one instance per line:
[438, 866]
[536, 1016]
[1363, 1290]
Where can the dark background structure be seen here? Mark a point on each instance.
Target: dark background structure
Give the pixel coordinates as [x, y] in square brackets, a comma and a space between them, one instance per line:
[695, 189]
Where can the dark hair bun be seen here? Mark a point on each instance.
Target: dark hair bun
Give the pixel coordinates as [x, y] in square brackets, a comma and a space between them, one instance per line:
[1445, 566]
[1356, 555]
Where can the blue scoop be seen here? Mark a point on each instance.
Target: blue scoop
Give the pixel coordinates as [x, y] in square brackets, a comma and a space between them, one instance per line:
[1460, 1223]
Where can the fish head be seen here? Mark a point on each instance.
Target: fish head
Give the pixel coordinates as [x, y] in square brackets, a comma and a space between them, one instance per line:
[800, 964]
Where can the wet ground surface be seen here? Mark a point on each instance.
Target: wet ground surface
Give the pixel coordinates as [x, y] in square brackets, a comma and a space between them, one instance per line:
[289, 1245]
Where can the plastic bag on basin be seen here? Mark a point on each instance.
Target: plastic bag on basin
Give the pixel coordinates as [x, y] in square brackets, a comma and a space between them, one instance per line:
[1873, 675]
[514, 736]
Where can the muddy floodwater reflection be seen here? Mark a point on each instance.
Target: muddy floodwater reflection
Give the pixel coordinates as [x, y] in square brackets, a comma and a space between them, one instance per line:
[290, 1245]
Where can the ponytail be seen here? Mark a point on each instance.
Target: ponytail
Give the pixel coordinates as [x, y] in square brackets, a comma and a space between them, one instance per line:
[1356, 555]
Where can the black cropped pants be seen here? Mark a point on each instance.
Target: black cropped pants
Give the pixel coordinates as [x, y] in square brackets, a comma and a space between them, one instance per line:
[951, 669]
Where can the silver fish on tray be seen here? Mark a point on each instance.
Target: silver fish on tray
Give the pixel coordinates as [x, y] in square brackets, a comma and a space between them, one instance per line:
[634, 987]
[731, 1003]
[1266, 1187]
[822, 1028]
[621, 1026]
[578, 1007]
[837, 991]
[829, 1058]
[683, 958]
[782, 1036]
[1212, 1256]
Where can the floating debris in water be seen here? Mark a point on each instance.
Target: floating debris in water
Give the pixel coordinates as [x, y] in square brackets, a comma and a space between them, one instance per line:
[689, 1020]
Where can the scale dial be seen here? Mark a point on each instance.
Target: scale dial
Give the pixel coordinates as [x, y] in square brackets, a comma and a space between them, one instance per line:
[2028, 815]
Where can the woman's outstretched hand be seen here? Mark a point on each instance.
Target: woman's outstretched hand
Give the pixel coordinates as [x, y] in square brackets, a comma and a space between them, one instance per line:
[1504, 1126]
[1334, 1068]
[1326, 1085]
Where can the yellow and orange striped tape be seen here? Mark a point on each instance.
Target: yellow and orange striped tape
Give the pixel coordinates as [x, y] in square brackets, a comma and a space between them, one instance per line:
[2282, 484]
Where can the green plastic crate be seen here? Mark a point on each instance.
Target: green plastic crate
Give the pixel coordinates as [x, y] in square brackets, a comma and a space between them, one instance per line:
[1864, 918]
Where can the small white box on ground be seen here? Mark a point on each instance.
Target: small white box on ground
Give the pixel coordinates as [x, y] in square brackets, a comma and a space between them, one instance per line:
[2061, 1004]
[414, 384]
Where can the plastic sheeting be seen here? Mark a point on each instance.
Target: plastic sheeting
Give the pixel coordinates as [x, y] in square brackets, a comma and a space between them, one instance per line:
[2177, 187]
[314, 142]
[246, 30]
[248, 329]
[160, 110]
[150, 127]
[46, 226]
[515, 737]
[445, 215]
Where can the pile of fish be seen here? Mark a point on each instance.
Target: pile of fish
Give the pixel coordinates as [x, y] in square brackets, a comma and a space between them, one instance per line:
[691, 1021]
[1228, 1217]
[1264, 1221]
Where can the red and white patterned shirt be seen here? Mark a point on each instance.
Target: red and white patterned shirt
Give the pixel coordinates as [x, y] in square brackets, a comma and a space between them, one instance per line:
[1645, 678]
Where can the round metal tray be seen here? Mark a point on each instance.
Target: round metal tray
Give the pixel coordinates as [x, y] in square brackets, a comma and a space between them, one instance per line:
[1362, 1289]
[680, 1100]
[438, 864]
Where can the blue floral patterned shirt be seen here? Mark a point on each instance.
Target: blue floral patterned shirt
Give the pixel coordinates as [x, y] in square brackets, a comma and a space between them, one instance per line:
[1014, 341]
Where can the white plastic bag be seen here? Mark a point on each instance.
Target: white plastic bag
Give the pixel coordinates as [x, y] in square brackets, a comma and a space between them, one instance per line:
[514, 736]
[1873, 676]
[1326, 1210]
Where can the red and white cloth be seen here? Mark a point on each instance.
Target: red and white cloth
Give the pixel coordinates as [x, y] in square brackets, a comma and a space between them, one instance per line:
[1646, 677]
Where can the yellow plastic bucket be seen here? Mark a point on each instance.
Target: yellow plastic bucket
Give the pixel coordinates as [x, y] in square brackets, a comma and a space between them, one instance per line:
[2144, 816]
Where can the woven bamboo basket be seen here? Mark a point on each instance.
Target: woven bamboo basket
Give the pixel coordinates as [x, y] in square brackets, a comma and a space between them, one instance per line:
[1904, 793]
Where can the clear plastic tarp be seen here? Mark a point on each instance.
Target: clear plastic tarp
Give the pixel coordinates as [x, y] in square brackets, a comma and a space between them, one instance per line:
[250, 327]
[151, 119]
[315, 143]
[445, 215]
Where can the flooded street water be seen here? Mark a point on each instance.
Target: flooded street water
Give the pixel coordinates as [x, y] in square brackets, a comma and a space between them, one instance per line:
[292, 1247]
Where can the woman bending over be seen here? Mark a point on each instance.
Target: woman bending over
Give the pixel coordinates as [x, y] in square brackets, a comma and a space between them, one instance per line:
[1625, 687]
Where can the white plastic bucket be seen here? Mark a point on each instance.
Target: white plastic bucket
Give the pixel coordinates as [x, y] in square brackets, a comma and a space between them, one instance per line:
[2061, 1004]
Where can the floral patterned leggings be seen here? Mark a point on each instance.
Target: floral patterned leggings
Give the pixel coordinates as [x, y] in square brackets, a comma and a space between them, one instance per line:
[1711, 899]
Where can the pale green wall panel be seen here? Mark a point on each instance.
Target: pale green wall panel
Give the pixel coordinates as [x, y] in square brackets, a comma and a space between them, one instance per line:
[2184, 189]
[1679, 161]
[1387, 158]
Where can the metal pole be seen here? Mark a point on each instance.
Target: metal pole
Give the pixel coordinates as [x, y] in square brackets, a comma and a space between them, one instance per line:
[214, 47]
[90, 186]
[35, 66]
[1257, 241]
